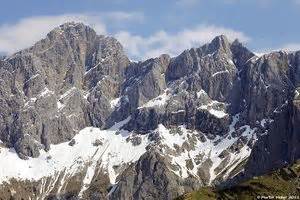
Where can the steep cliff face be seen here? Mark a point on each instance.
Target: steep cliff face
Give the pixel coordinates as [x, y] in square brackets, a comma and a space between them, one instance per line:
[50, 90]
[281, 145]
[80, 121]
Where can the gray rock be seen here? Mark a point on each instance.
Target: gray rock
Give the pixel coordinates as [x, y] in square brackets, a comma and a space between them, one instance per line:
[72, 142]
[47, 84]
[97, 142]
[150, 178]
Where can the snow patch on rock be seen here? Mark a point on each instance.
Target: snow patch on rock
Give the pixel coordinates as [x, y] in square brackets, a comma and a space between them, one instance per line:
[211, 109]
[115, 150]
[208, 149]
[161, 100]
[220, 72]
[115, 103]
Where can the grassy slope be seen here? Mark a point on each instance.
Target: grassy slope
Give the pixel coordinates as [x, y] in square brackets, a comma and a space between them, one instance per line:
[285, 182]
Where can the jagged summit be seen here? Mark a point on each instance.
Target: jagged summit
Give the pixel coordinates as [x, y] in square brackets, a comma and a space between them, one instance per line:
[82, 32]
[72, 25]
[77, 25]
[220, 42]
[74, 29]
[72, 32]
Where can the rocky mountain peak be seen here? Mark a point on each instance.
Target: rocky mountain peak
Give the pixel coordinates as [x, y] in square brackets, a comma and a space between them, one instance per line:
[220, 43]
[240, 53]
[73, 25]
[50, 80]
[73, 29]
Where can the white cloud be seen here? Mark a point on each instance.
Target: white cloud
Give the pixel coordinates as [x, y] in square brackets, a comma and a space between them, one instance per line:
[162, 42]
[27, 31]
[291, 47]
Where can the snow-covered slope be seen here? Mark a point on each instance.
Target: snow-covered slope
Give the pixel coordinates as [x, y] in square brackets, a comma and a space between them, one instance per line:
[114, 147]
[89, 146]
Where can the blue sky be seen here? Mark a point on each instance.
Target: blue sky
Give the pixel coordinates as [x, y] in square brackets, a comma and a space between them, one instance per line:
[149, 28]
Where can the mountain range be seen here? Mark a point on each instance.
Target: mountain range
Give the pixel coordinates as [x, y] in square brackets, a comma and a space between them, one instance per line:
[80, 120]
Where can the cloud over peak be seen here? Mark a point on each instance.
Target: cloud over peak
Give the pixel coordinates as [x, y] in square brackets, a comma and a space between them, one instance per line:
[27, 31]
[174, 43]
